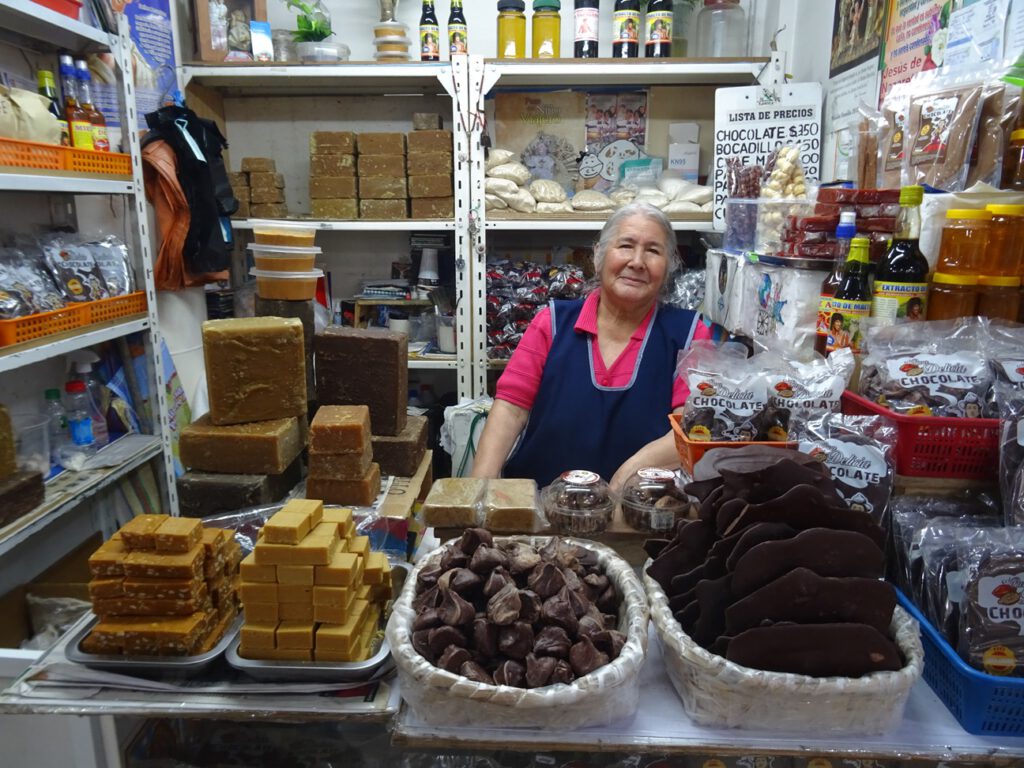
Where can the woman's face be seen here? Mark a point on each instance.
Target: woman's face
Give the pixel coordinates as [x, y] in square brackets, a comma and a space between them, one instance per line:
[636, 262]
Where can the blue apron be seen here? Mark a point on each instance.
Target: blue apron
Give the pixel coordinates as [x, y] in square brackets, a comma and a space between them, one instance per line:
[576, 423]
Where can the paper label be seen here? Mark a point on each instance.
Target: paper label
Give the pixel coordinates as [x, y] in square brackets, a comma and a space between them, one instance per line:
[586, 23]
[1000, 598]
[1013, 370]
[458, 38]
[430, 37]
[580, 477]
[81, 431]
[930, 142]
[100, 142]
[899, 301]
[841, 321]
[81, 134]
[625, 27]
[659, 27]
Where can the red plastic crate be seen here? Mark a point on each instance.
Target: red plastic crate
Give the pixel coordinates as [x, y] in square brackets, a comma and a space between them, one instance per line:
[72, 8]
[937, 446]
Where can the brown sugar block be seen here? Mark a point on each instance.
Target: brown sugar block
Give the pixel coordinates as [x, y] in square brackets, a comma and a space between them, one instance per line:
[138, 606]
[382, 188]
[295, 574]
[20, 493]
[381, 144]
[296, 635]
[269, 210]
[400, 454]
[357, 366]
[286, 528]
[332, 165]
[101, 588]
[234, 557]
[339, 466]
[295, 593]
[332, 143]
[254, 448]
[510, 505]
[426, 121]
[345, 569]
[303, 310]
[8, 456]
[453, 502]
[238, 180]
[340, 429]
[216, 632]
[265, 195]
[332, 187]
[432, 207]
[244, 210]
[266, 180]
[258, 165]
[139, 533]
[207, 493]
[430, 186]
[392, 166]
[295, 611]
[215, 541]
[255, 369]
[164, 589]
[254, 635]
[335, 209]
[150, 565]
[260, 613]
[257, 592]
[376, 564]
[384, 210]
[359, 493]
[241, 193]
[108, 559]
[430, 141]
[314, 508]
[429, 164]
[178, 534]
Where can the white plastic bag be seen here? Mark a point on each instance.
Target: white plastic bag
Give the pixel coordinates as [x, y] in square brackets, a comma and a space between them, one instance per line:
[547, 191]
[677, 206]
[500, 187]
[515, 172]
[496, 157]
[589, 200]
[494, 203]
[521, 201]
[563, 207]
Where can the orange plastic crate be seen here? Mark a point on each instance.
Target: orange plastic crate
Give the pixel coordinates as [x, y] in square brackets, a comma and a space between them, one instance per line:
[43, 324]
[691, 451]
[119, 306]
[31, 154]
[99, 163]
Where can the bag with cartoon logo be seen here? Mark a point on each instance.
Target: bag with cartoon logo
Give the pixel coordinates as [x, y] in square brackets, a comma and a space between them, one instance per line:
[25, 286]
[928, 368]
[73, 269]
[802, 392]
[728, 393]
[1005, 351]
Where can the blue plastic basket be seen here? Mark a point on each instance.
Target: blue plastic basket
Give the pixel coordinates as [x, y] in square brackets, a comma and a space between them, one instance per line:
[981, 703]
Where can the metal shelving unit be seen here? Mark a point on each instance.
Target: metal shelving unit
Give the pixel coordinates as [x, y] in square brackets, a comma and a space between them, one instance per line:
[580, 225]
[44, 28]
[337, 225]
[54, 346]
[72, 183]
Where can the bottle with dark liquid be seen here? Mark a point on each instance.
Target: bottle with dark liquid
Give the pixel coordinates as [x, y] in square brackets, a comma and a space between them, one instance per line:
[48, 88]
[430, 33]
[458, 31]
[626, 29]
[659, 29]
[586, 19]
[844, 234]
[100, 142]
[901, 280]
[851, 306]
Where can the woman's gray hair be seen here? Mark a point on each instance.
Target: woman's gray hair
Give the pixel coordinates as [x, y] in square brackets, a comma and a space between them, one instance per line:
[611, 230]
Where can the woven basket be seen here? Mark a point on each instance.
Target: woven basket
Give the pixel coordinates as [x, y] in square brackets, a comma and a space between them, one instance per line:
[719, 693]
[605, 695]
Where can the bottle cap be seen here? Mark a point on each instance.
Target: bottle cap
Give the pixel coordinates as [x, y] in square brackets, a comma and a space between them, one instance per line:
[1017, 135]
[859, 248]
[913, 195]
[512, 5]
[944, 278]
[977, 214]
[74, 386]
[82, 367]
[1005, 210]
[847, 225]
[999, 281]
[547, 5]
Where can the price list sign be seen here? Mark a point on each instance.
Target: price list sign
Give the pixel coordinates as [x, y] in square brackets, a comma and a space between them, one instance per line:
[753, 121]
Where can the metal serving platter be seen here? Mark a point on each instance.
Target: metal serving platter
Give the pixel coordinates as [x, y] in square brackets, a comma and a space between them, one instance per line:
[148, 666]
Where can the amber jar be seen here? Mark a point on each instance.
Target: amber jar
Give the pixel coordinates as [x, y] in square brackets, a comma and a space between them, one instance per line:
[1005, 249]
[999, 297]
[512, 29]
[952, 296]
[1013, 162]
[964, 239]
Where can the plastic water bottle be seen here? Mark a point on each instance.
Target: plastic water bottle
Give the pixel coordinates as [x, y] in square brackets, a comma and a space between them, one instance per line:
[58, 424]
[94, 388]
[79, 421]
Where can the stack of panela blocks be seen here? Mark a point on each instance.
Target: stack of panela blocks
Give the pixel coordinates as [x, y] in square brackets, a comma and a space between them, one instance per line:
[312, 590]
[341, 466]
[163, 586]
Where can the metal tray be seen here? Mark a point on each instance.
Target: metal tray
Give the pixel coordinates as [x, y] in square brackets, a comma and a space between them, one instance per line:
[148, 666]
[324, 671]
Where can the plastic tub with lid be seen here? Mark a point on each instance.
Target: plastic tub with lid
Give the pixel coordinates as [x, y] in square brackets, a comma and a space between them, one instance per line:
[283, 258]
[290, 286]
[578, 503]
[393, 44]
[386, 56]
[964, 240]
[651, 501]
[292, 233]
[390, 29]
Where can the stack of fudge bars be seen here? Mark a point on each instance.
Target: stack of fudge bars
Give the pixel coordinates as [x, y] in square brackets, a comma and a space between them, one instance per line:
[163, 586]
[312, 590]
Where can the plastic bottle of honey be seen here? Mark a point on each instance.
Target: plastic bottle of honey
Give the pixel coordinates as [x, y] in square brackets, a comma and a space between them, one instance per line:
[999, 297]
[901, 280]
[952, 296]
[964, 241]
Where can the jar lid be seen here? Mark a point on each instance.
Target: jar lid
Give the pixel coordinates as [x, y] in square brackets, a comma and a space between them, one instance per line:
[1017, 135]
[913, 195]
[944, 278]
[977, 214]
[1005, 210]
[998, 281]
[547, 5]
[512, 5]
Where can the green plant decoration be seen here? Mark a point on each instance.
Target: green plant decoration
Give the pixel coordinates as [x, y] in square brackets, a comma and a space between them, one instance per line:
[313, 22]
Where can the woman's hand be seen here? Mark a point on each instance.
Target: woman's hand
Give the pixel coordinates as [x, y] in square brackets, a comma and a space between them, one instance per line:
[657, 453]
[504, 424]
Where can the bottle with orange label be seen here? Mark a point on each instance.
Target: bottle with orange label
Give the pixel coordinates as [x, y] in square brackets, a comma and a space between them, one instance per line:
[100, 142]
[851, 305]
[79, 125]
[844, 234]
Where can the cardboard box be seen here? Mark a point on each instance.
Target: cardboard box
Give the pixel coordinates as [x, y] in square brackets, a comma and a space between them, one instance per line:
[382, 188]
[406, 491]
[381, 143]
[335, 208]
[391, 166]
[432, 208]
[430, 141]
[429, 163]
[326, 188]
[383, 209]
[332, 165]
[430, 186]
[332, 143]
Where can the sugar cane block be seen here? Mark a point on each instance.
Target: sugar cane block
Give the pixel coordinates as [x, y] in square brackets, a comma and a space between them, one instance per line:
[8, 457]
[454, 502]
[141, 606]
[254, 635]
[365, 367]
[373, 571]
[266, 180]
[150, 565]
[163, 589]
[286, 528]
[332, 187]
[384, 210]
[295, 611]
[178, 534]
[345, 569]
[430, 141]
[339, 466]
[401, 454]
[258, 165]
[257, 592]
[264, 195]
[311, 507]
[335, 209]
[381, 144]
[108, 559]
[303, 310]
[429, 164]
[20, 493]
[241, 193]
[207, 493]
[340, 429]
[359, 493]
[432, 207]
[139, 533]
[255, 369]
[510, 505]
[430, 186]
[262, 613]
[269, 210]
[426, 121]
[215, 541]
[381, 188]
[332, 143]
[234, 557]
[381, 165]
[244, 207]
[295, 593]
[254, 448]
[332, 165]
[295, 574]
[295, 634]
[238, 180]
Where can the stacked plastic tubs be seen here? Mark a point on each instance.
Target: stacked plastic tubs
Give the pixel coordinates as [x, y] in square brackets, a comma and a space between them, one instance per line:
[391, 39]
[285, 255]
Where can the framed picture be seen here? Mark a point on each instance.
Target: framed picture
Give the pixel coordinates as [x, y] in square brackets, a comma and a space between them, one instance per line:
[222, 28]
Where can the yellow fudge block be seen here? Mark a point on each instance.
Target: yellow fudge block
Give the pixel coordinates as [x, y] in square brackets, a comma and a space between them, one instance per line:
[345, 568]
[295, 635]
[295, 611]
[261, 613]
[286, 528]
[139, 533]
[360, 545]
[250, 571]
[258, 635]
[294, 574]
[257, 592]
[310, 551]
[274, 654]
[253, 448]
[330, 614]
[342, 516]
[342, 637]
[373, 571]
[334, 596]
[365, 592]
[294, 593]
[312, 507]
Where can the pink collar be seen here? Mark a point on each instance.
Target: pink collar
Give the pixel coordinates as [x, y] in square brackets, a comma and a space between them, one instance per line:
[587, 321]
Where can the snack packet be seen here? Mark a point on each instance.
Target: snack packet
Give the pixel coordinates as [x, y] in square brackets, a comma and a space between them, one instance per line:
[806, 391]
[73, 269]
[26, 288]
[111, 256]
[727, 396]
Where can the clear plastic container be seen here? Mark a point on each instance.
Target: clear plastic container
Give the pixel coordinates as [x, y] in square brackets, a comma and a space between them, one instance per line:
[721, 30]
[578, 503]
[82, 443]
[323, 51]
[32, 441]
[291, 286]
[283, 258]
[964, 241]
[651, 501]
[386, 56]
[292, 233]
[57, 422]
[390, 29]
[393, 44]
[285, 49]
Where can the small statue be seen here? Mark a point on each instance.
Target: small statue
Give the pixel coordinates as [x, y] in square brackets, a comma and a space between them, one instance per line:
[388, 9]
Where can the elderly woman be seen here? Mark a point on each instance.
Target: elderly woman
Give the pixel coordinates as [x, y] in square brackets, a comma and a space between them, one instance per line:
[592, 381]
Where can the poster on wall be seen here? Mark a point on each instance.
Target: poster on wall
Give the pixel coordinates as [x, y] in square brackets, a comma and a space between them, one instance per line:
[915, 40]
[616, 132]
[857, 30]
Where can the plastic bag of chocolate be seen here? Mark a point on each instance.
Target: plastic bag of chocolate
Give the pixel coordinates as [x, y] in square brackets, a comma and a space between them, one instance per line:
[1010, 402]
[802, 392]
[728, 393]
[111, 256]
[928, 368]
[1004, 348]
[73, 269]
[860, 453]
[26, 288]
[892, 143]
[992, 605]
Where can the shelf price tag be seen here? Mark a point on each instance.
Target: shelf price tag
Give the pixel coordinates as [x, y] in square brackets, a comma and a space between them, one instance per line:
[753, 121]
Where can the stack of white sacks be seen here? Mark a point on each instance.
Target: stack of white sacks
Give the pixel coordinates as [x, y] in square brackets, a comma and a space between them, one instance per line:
[508, 187]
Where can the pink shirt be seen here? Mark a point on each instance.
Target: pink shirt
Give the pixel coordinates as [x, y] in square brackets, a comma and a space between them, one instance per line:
[521, 380]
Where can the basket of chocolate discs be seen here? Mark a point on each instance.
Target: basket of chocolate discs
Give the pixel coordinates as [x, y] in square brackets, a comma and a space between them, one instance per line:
[540, 632]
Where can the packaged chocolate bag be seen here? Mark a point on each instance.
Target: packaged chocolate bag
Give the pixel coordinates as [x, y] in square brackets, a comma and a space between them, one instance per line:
[73, 269]
[1010, 402]
[805, 391]
[26, 288]
[111, 256]
[728, 393]
[1004, 347]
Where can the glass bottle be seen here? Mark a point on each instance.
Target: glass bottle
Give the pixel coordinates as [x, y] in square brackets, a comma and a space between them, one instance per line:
[511, 29]
[952, 296]
[100, 142]
[48, 88]
[430, 33]
[851, 306]
[901, 281]
[844, 234]
[658, 23]
[79, 125]
[586, 22]
[682, 12]
[458, 31]
[721, 29]
[547, 29]
[964, 241]
[626, 29]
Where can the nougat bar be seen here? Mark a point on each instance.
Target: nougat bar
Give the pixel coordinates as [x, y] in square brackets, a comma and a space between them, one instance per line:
[286, 528]
[266, 179]
[340, 466]
[332, 143]
[139, 533]
[360, 493]
[335, 208]
[178, 534]
[149, 565]
[201, 494]
[8, 457]
[172, 635]
[263, 195]
[215, 633]
[20, 493]
[255, 369]
[365, 367]
[101, 588]
[401, 454]
[269, 210]
[380, 144]
[453, 502]
[108, 559]
[256, 448]
[135, 606]
[215, 541]
[340, 429]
